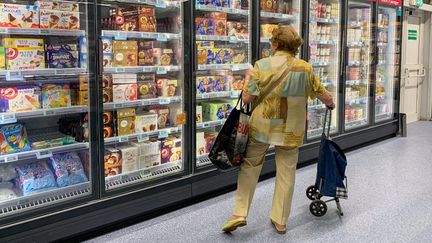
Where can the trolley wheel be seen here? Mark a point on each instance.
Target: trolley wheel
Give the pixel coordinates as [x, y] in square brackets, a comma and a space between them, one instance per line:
[318, 208]
[311, 192]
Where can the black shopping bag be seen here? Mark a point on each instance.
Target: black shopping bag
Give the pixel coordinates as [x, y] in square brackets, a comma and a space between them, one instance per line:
[230, 145]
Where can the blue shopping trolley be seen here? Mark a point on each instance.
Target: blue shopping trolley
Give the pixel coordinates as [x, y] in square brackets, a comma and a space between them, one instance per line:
[330, 180]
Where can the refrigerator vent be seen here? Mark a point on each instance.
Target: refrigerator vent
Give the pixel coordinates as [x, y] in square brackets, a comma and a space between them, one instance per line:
[204, 161]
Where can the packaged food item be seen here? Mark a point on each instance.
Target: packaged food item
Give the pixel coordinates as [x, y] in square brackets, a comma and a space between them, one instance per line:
[163, 116]
[62, 56]
[266, 52]
[19, 16]
[112, 162]
[267, 30]
[149, 154]
[146, 123]
[58, 5]
[107, 60]
[85, 159]
[125, 53]
[222, 56]
[147, 19]
[129, 154]
[24, 53]
[35, 177]
[145, 53]
[220, 27]
[56, 95]
[205, 84]
[126, 121]
[108, 123]
[13, 139]
[68, 169]
[166, 87]
[83, 97]
[107, 44]
[126, 18]
[7, 192]
[124, 92]
[236, 81]
[238, 56]
[65, 20]
[166, 58]
[268, 5]
[219, 84]
[210, 138]
[147, 86]
[21, 98]
[219, 110]
[238, 29]
[177, 116]
[200, 144]
[205, 26]
[171, 150]
[2, 58]
[199, 115]
[107, 81]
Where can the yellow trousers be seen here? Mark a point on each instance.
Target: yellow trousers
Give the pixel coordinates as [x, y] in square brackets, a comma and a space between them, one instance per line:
[250, 170]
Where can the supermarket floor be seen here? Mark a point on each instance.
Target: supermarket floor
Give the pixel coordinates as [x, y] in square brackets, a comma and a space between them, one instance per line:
[390, 197]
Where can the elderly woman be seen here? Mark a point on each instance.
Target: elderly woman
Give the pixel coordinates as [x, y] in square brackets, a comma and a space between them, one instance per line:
[279, 118]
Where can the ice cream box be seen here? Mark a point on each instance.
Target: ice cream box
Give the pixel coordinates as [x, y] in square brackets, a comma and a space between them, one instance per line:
[126, 18]
[177, 116]
[220, 27]
[213, 111]
[216, 15]
[107, 81]
[23, 42]
[199, 115]
[147, 20]
[267, 30]
[19, 16]
[13, 139]
[268, 5]
[220, 84]
[107, 59]
[21, 98]
[34, 177]
[65, 20]
[236, 82]
[124, 92]
[163, 116]
[107, 95]
[2, 58]
[108, 131]
[147, 86]
[238, 56]
[146, 122]
[62, 56]
[145, 53]
[166, 87]
[112, 161]
[222, 56]
[83, 97]
[58, 5]
[210, 138]
[107, 44]
[167, 57]
[171, 150]
[25, 58]
[85, 159]
[205, 26]
[129, 156]
[126, 121]
[149, 154]
[107, 118]
[129, 78]
[200, 144]
[125, 53]
[56, 95]
[205, 84]
[83, 82]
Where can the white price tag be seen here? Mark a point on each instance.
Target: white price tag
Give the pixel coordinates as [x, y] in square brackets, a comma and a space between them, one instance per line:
[205, 125]
[123, 139]
[120, 70]
[49, 112]
[60, 71]
[142, 138]
[124, 177]
[161, 70]
[160, 4]
[120, 35]
[11, 158]
[145, 173]
[164, 101]
[118, 105]
[232, 39]
[163, 134]
[162, 37]
[8, 116]
[14, 76]
[44, 31]
[44, 154]
[235, 67]
[145, 102]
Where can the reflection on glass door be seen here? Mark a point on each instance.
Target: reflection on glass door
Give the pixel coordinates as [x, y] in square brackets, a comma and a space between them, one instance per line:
[142, 90]
[274, 13]
[358, 65]
[388, 62]
[324, 54]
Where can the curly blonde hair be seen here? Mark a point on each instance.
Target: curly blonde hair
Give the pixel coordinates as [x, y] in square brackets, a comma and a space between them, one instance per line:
[287, 39]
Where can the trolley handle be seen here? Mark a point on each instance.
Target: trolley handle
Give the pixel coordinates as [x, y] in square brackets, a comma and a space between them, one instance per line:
[325, 123]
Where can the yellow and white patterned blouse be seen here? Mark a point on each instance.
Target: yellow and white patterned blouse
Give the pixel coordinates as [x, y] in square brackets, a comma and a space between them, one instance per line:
[280, 119]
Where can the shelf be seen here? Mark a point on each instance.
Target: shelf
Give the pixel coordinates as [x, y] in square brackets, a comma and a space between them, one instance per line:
[225, 94]
[382, 44]
[357, 82]
[156, 3]
[316, 107]
[37, 31]
[357, 44]
[44, 199]
[143, 175]
[323, 20]
[232, 67]
[384, 116]
[357, 63]
[161, 133]
[278, 16]
[145, 102]
[203, 160]
[356, 123]
[143, 69]
[265, 39]
[210, 124]
[323, 42]
[358, 101]
[231, 39]
[42, 153]
[221, 9]
[320, 64]
[12, 117]
[123, 35]
[316, 132]
[18, 75]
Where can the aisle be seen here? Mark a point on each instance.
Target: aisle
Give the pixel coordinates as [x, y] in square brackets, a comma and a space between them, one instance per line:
[390, 197]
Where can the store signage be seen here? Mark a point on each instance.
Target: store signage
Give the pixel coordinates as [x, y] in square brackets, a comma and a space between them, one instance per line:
[412, 34]
[391, 2]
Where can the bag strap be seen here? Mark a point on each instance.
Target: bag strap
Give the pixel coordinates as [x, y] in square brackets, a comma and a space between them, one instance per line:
[276, 83]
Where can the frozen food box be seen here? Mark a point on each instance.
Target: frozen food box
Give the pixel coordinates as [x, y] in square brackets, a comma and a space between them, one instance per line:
[129, 154]
[200, 144]
[68, 169]
[126, 18]
[62, 56]
[146, 123]
[205, 26]
[58, 5]
[199, 115]
[56, 95]
[213, 111]
[129, 78]
[171, 150]
[83, 97]
[205, 84]
[2, 58]
[19, 16]
[210, 138]
[236, 81]
[220, 84]
[125, 53]
[149, 154]
[163, 116]
[107, 60]
[13, 139]
[147, 19]
[166, 87]
[220, 27]
[20, 98]
[166, 57]
[267, 30]
[145, 53]
[238, 56]
[107, 118]
[107, 44]
[24, 53]
[126, 121]
[268, 5]
[107, 95]
[65, 20]
[112, 161]
[147, 86]
[34, 177]
[124, 92]
[222, 56]
[83, 82]
[107, 81]
[177, 116]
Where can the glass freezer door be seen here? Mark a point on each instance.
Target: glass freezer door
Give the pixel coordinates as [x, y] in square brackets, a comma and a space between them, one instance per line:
[388, 63]
[273, 13]
[324, 54]
[44, 109]
[223, 53]
[142, 86]
[358, 65]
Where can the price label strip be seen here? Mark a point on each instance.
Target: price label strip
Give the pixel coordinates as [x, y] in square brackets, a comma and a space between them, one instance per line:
[11, 158]
[145, 173]
[14, 76]
[164, 101]
[120, 35]
[123, 139]
[44, 154]
[143, 138]
[8, 118]
[161, 70]
[163, 134]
